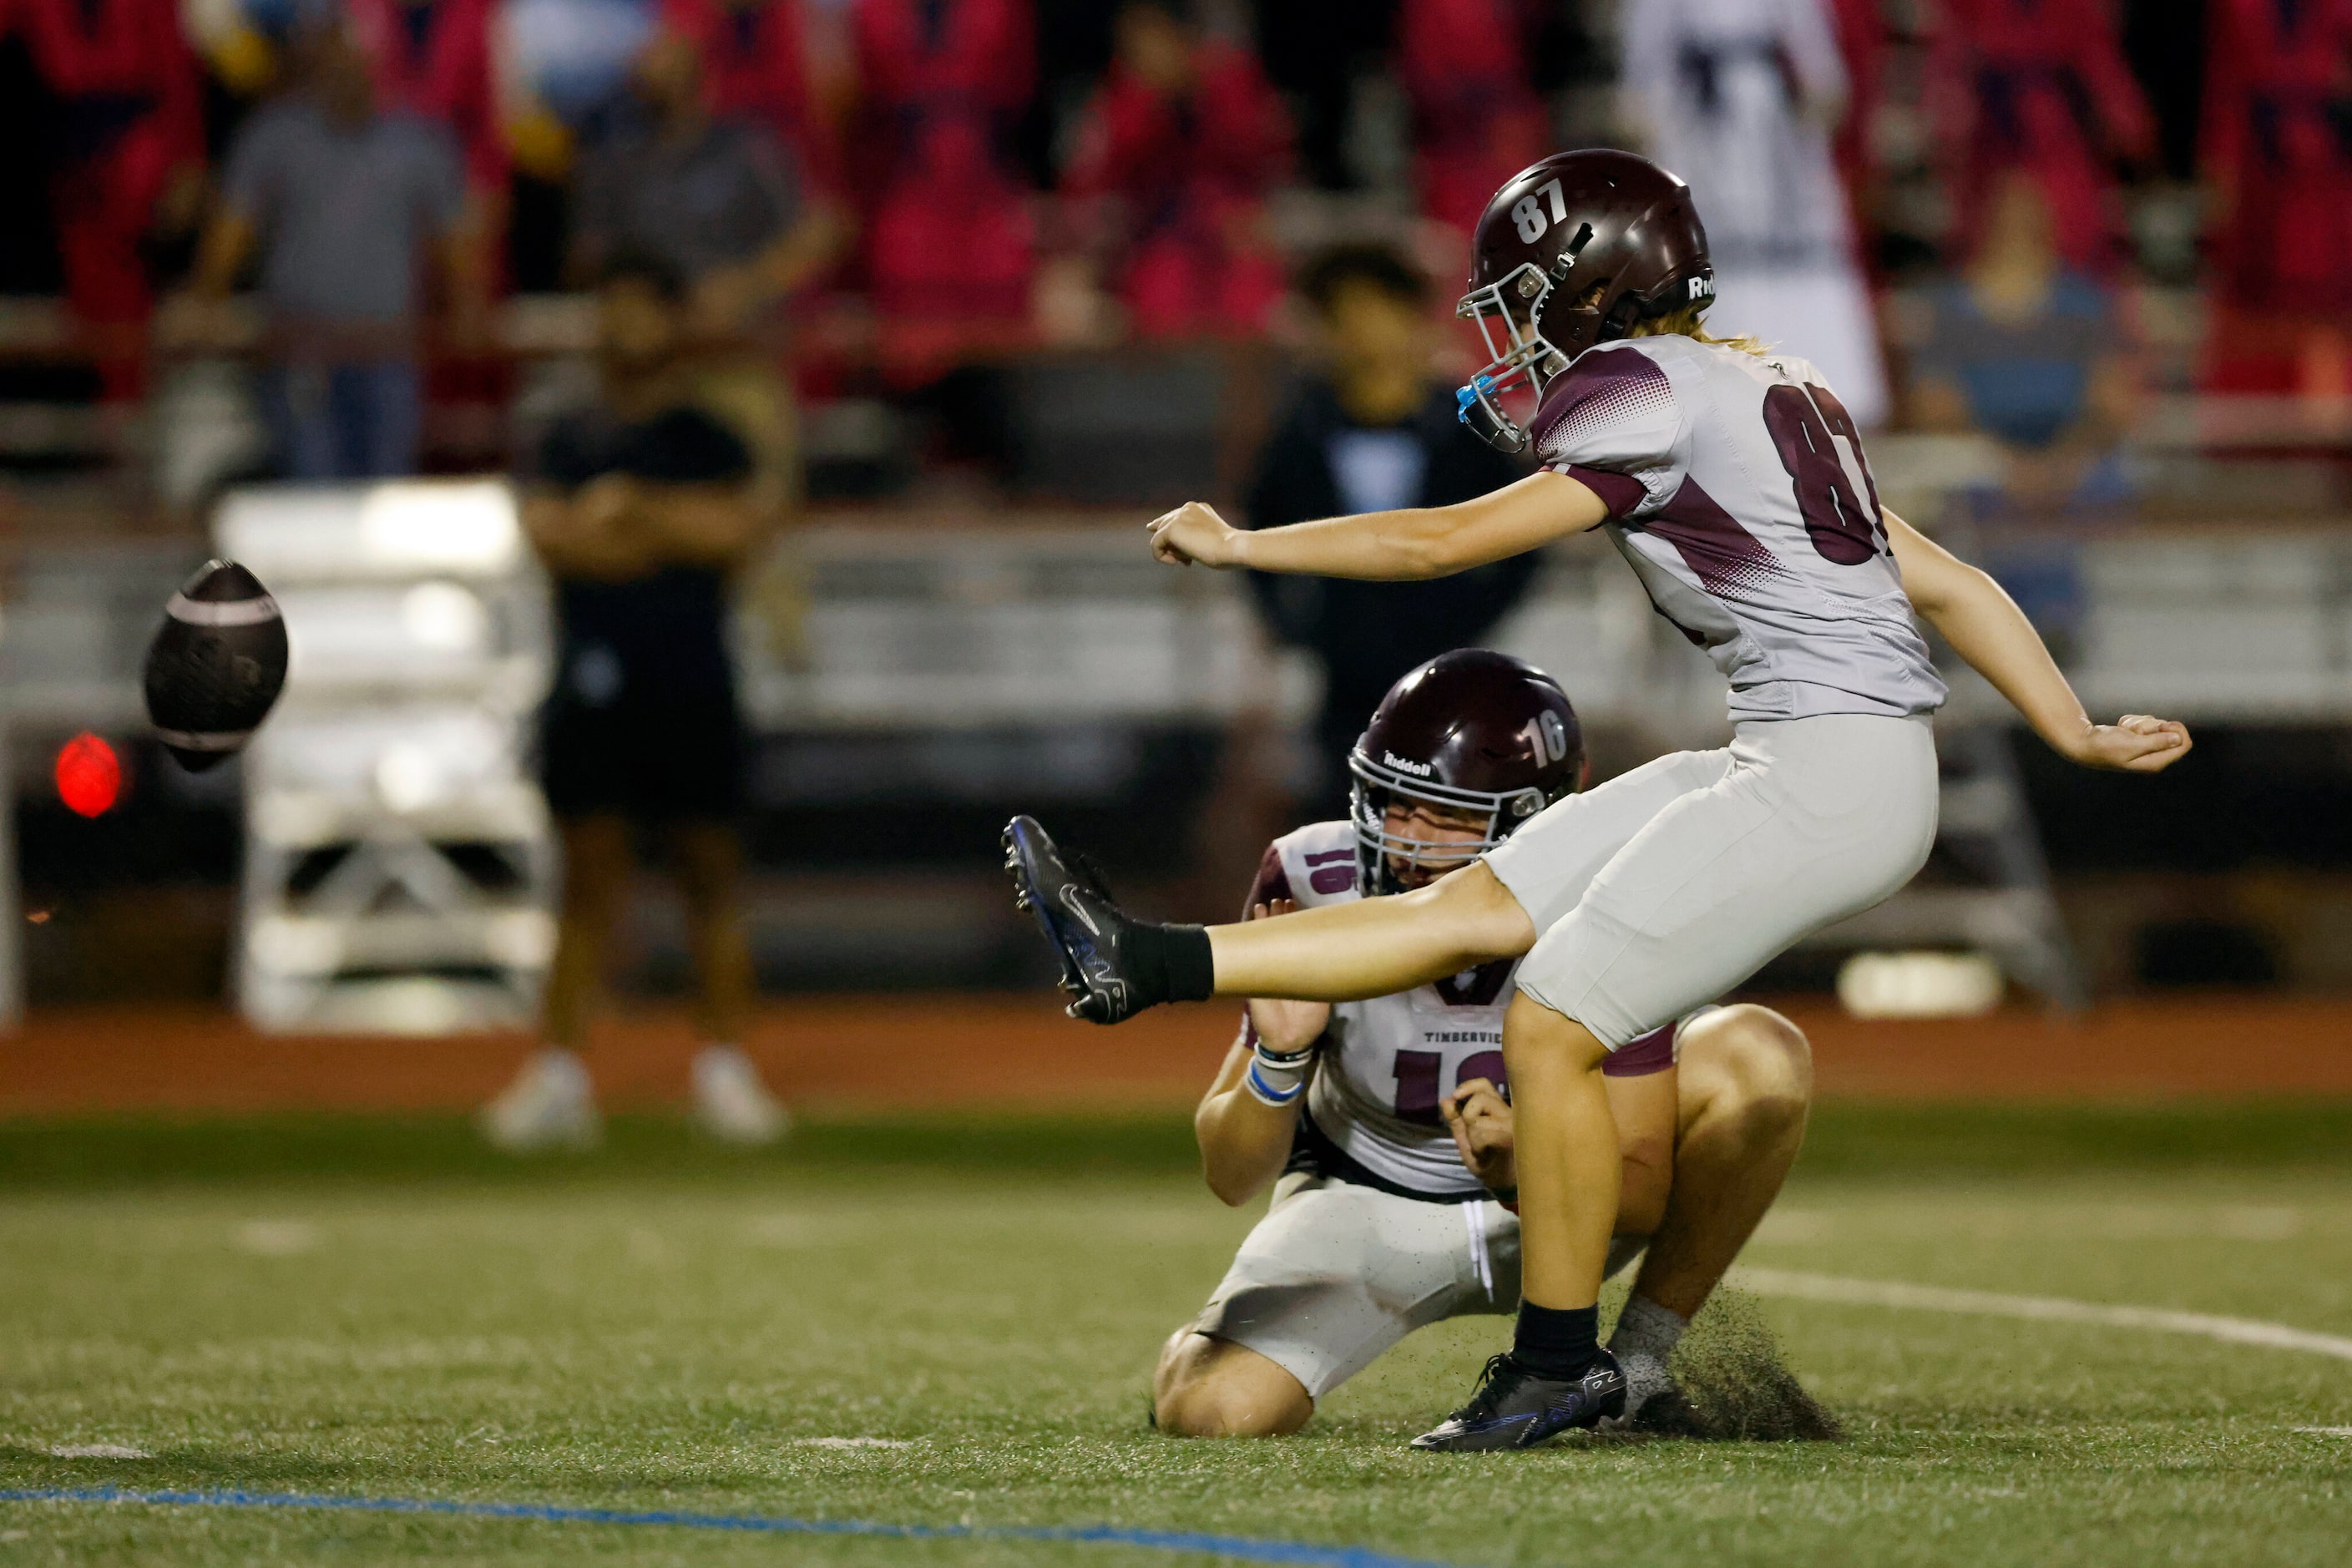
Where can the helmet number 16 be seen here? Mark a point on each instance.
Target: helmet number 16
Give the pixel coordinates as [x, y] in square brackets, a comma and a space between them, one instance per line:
[1547, 738]
[1529, 212]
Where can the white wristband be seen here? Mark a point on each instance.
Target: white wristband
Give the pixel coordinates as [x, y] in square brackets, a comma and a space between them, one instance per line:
[1276, 1086]
[1276, 1078]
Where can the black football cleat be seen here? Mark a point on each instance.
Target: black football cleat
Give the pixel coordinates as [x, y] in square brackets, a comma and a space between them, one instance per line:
[1514, 1408]
[1078, 917]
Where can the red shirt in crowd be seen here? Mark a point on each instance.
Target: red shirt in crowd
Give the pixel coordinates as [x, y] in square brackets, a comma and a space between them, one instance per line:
[2040, 85]
[1861, 39]
[1192, 169]
[756, 66]
[131, 105]
[2279, 74]
[1476, 120]
[950, 240]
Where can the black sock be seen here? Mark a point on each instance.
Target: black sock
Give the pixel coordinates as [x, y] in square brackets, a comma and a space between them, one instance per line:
[1556, 1342]
[1172, 963]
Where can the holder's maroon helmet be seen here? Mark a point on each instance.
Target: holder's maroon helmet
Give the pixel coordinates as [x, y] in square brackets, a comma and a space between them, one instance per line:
[1472, 731]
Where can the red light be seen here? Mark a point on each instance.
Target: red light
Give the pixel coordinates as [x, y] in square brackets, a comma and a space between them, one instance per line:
[89, 779]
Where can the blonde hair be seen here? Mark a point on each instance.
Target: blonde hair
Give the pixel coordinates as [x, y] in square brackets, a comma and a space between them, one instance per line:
[1684, 323]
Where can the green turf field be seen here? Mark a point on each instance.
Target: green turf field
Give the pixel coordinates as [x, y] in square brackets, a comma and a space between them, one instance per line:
[374, 1310]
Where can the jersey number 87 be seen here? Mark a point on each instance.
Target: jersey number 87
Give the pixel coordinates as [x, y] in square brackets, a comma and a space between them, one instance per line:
[1803, 420]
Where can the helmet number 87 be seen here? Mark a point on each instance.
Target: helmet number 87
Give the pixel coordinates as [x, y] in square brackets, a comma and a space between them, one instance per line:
[1529, 212]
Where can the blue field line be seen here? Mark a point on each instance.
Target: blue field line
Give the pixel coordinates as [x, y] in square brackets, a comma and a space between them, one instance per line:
[1240, 1547]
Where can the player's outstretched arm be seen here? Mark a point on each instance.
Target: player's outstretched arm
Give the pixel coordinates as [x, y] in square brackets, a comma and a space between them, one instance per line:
[1985, 626]
[1389, 546]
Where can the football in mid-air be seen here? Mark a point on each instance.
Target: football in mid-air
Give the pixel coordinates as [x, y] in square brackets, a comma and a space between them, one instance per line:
[216, 665]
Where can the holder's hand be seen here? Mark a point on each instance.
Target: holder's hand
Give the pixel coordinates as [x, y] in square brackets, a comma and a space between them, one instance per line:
[1480, 1120]
[1286, 1026]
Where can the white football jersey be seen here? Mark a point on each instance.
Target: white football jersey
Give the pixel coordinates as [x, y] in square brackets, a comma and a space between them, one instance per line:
[1386, 1063]
[1738, 490]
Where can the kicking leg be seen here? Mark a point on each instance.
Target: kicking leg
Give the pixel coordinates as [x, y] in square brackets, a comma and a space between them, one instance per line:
[1374, 947]
[1114, 965]
[1206, 1387]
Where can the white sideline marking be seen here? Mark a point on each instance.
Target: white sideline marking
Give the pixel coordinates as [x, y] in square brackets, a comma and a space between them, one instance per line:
[2046, 1309]
[98, 1451]
[2327, 1431]
[852, 1442]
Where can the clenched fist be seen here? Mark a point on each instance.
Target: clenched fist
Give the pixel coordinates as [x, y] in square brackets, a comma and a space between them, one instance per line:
[1194, 532]
[1480, 1120]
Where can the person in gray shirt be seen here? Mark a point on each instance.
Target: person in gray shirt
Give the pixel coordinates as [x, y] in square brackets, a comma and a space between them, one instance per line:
[344, 206]
[716, 199]
[721, 204]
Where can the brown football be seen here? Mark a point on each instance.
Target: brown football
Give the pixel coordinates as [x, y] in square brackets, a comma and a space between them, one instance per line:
[216, 665]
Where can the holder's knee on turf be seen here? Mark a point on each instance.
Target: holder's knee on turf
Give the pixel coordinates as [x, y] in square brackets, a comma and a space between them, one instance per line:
[1215, 1388]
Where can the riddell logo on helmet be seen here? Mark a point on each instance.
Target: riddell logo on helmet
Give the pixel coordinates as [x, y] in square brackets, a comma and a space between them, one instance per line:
[1419, 770]
[1702, 288]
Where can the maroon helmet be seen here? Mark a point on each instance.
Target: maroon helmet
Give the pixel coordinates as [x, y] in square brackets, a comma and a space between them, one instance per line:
[1470, 730]
[1554, 231]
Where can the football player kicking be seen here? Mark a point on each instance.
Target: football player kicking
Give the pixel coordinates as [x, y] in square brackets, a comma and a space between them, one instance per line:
[1735, 485]
[1386, 1217]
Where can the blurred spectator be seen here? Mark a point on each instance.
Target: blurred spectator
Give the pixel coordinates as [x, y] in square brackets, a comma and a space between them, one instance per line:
[757, 67]
[1476, 120]
[431, 59]
[1375, 432]
[717, 200]
[129, 161]
[2027, 350]
[950, 240]
[344, 204]
[642, 506]
[1318, 52]
[1738, 97]
[2278, 158]
[1863, 40]
[2039, 86]
[563, 66]
[719, 203]
[1185, 137]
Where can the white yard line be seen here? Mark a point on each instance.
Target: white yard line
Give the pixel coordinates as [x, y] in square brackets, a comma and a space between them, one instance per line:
[98, 1451]
[851, 1442]
[1802, 1286]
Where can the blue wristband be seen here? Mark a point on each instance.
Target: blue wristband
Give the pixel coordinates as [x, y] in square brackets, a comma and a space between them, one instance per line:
[1270, 1094]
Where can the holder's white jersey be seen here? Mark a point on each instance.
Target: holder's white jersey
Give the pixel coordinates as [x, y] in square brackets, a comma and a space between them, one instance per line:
[1385, 1063]
[1739, 492]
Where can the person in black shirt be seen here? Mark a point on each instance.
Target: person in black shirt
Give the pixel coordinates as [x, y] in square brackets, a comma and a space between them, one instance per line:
[1376, 432]
[641, 506]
